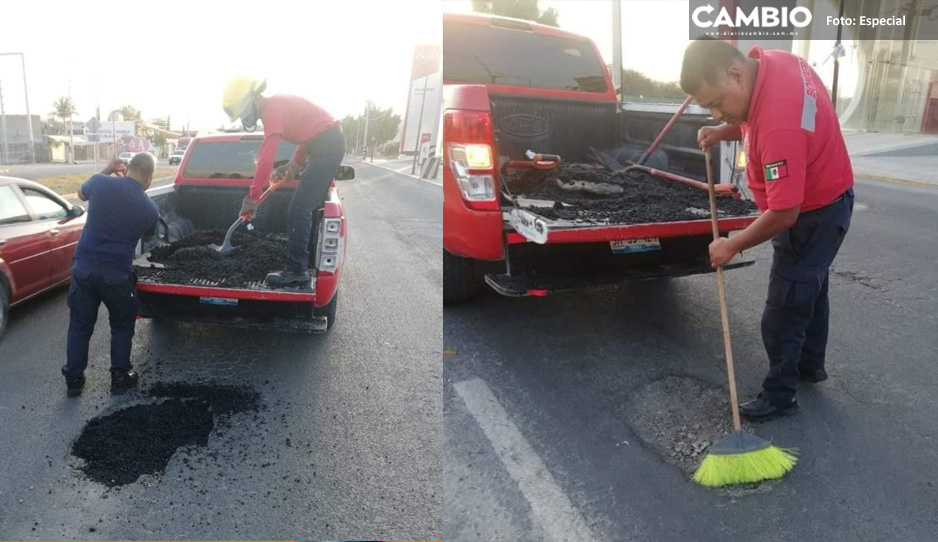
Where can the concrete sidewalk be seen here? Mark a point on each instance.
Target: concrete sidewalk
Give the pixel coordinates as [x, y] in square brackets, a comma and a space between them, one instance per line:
[903, 158]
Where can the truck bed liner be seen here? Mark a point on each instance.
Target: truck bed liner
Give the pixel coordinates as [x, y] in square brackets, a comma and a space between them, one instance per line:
[643, 199]
[192, 262]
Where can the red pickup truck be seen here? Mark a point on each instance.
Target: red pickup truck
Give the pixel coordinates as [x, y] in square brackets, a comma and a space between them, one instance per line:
[210, 183]
[511, 86]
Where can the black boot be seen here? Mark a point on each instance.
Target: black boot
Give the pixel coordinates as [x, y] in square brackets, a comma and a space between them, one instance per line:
[288, 278]
[74, 385]
[760, 410]
[123, 380]
[813, 376]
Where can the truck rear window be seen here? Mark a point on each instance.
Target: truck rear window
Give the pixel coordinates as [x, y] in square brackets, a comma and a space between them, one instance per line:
[229, 159]
[491, 55]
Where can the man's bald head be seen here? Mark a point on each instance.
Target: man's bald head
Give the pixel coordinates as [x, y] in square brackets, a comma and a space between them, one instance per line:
[141, 168]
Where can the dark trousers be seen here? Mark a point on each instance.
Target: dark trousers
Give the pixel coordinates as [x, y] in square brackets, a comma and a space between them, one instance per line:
[91, 285]
[324, 155]
[794, 323]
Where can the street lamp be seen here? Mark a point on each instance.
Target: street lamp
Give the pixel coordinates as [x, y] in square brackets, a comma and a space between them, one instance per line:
[29, 118]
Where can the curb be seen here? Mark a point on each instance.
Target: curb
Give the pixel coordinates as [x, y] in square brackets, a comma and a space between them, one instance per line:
[428, 181]
[74, 196]
[894, 180]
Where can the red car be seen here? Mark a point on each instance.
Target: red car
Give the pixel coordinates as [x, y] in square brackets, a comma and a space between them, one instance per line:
[38, 234]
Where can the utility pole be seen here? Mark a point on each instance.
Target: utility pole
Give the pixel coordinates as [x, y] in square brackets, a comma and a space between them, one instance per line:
[837, 48]
[3, 126]
[29, 118]
[423, 99]
[617, 48]
[367, 119]
[71, 131]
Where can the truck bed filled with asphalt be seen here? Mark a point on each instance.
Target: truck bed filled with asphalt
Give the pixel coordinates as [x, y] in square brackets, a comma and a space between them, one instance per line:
[192, 261]
[591, 194]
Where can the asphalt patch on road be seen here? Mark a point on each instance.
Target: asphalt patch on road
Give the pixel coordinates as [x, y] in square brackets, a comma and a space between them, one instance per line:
[192, 260]
[679, 417]
[643, 198]
[121, 446]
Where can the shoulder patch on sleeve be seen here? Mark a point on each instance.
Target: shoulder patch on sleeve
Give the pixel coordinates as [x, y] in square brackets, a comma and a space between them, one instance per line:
[776, 170]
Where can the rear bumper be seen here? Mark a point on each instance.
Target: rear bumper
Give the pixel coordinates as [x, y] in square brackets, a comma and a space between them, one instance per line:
[543, 284]
[273, 310]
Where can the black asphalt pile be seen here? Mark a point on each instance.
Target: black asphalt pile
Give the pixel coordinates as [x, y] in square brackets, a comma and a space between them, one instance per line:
[642, 198]
[141, 439]
[192, 259]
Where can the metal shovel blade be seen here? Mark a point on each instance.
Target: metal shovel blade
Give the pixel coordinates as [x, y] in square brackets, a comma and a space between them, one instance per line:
[226, 246]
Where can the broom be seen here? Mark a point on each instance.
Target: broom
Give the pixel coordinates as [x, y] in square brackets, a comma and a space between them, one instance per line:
[741, 457]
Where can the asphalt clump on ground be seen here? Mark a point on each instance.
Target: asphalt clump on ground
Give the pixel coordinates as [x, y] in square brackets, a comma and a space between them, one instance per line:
[643, 198]
[192, 259]
[121, 446]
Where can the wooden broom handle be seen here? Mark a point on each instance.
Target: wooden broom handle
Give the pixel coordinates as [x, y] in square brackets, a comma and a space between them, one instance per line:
[724, 315]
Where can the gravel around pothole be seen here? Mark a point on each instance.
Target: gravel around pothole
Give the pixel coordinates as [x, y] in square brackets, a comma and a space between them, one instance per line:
[679, 418]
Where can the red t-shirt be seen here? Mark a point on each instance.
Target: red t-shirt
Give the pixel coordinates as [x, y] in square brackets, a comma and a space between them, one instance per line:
[292, 119]
[795, 151]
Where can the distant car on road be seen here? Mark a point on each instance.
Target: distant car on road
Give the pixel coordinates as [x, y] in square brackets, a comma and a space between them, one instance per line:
[38, 234]
[125, 157]
[176, 157]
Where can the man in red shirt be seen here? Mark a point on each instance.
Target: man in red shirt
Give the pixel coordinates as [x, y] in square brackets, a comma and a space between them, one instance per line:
[320, 148]
[800, 177]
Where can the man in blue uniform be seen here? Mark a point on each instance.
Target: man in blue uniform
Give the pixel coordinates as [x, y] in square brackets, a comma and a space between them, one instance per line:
[119, 214]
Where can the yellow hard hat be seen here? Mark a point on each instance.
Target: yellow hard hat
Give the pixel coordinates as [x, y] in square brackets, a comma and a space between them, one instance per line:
[238, 95]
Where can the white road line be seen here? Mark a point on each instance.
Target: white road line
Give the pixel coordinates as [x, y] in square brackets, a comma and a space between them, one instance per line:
[551, 508]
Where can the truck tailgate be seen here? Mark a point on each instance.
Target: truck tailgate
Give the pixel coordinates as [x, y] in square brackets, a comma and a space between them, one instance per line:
[524, 227]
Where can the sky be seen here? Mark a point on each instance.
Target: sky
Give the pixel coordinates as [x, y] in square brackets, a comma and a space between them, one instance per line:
[654, 35]
[651, 41]
[173, 58]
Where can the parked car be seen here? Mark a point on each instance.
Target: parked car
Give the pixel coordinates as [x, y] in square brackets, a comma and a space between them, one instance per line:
[38, 234]
[176, 157]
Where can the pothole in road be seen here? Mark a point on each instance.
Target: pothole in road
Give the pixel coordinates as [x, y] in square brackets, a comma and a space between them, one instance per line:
[680, 417]
[119, 447]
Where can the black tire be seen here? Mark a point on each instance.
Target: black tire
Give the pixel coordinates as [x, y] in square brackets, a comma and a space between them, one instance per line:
[328, 311]
[4, 307]
[459, 279]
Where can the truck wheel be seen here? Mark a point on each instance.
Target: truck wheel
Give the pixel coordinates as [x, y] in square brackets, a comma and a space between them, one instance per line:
[4, 307]
[328, 311]
[459, 279]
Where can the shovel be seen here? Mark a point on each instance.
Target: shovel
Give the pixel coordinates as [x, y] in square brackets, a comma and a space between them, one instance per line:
[272, 187]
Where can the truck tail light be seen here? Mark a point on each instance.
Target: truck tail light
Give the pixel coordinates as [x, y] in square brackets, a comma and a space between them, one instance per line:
[330, 246]
[470, 150]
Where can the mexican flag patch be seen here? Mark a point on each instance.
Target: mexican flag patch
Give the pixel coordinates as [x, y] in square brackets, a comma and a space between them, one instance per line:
[776, 170]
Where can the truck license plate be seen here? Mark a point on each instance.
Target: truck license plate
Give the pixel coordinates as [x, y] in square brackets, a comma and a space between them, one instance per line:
[533, 227]
[224, 301]
[634, 246]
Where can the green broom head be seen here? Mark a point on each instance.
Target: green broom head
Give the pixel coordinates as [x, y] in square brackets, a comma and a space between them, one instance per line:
[743, 458]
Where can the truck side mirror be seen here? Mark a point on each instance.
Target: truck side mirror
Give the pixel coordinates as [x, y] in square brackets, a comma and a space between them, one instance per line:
[345, 173]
